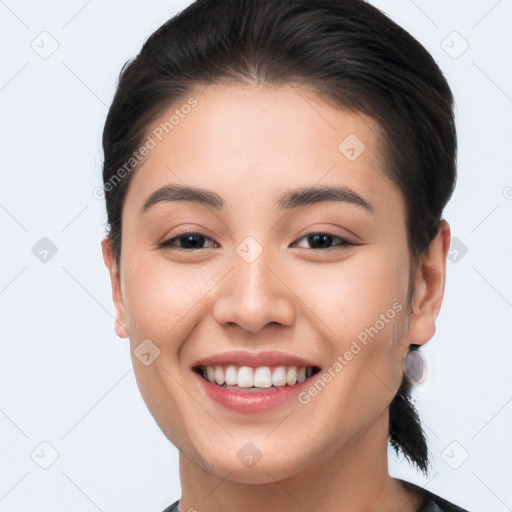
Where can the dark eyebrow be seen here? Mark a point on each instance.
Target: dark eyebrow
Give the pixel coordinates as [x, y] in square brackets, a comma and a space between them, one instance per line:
[290, 200]
[316, 194]
[176, 192]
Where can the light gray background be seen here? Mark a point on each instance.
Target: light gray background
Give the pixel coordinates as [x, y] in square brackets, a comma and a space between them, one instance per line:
[66, 379]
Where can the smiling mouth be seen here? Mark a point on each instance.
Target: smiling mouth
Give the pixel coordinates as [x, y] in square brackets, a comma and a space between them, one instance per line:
[261, 378]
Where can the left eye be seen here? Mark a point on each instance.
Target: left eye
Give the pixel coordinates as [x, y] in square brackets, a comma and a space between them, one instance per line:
[317, 240]
[196, 241]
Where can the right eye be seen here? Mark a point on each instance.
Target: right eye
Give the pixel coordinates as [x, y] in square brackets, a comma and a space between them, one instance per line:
[186, 241]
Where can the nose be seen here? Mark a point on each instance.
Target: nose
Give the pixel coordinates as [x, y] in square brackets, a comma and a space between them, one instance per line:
[254, 294]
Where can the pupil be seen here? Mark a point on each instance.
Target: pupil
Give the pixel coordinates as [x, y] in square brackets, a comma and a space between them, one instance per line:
[188, 238]
[314, 239]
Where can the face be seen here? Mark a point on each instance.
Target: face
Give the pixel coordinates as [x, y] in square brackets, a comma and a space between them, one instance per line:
[299, 279]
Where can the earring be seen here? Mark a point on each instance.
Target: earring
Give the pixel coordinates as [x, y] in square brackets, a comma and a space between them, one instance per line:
[414, 366]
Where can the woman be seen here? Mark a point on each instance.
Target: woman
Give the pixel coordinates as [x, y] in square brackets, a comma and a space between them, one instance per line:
[275, 175]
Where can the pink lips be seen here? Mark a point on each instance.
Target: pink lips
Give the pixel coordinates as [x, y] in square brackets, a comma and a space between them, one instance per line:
[253, 359]
[251, 402]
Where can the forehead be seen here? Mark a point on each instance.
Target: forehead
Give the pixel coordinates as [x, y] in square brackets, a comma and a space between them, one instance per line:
[253, 143]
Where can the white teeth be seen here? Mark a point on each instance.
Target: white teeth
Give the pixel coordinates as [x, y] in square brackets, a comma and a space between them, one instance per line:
[245, 377]
[261, 377]
[230, 375]
[279, 376]
[291, 376]
[218, 375]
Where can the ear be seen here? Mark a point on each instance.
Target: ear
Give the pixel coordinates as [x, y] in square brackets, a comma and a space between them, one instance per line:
[117, 295]
[428, 293]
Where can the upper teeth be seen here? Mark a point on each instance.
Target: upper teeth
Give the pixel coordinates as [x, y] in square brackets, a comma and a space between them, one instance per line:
[261, 377]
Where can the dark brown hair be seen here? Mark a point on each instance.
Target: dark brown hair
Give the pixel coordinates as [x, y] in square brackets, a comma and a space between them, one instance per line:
[352, 55]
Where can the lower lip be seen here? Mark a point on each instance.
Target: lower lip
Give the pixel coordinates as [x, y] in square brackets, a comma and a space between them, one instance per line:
[250, 402]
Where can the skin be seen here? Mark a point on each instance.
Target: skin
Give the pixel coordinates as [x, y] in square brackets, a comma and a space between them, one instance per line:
[250, 144]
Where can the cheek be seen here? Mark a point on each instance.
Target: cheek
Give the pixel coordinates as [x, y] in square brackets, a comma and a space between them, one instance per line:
[160, 295]
[364, 307]
[351, 295]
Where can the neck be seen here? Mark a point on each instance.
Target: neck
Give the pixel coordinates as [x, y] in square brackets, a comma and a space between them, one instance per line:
[354, 479]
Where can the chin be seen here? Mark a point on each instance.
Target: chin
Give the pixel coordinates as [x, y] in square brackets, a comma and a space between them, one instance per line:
[264, 471]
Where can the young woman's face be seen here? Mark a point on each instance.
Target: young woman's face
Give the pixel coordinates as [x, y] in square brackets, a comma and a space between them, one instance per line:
[254, 279]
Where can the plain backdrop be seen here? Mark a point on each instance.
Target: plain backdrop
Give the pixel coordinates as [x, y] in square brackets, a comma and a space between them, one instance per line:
[75, 433]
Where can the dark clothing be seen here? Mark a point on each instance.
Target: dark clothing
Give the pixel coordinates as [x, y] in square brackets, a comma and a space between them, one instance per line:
[432, 502]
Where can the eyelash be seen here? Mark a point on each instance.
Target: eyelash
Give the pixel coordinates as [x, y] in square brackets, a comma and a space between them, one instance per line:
[169, 243]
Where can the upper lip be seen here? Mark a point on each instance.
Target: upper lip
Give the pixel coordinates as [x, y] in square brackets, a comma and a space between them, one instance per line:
[254, 359]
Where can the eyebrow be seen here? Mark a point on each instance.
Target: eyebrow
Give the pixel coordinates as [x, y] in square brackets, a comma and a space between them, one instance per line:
[292, 199]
